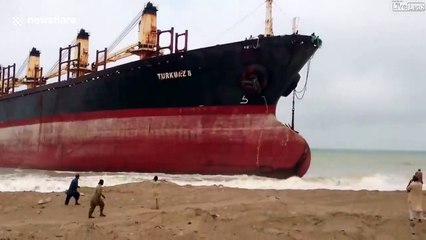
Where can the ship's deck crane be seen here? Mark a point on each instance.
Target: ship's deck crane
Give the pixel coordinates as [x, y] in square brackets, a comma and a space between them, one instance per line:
[147, 19]
[120, 54]
[146, 47]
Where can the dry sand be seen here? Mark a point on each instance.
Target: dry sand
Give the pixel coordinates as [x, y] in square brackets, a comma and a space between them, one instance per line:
[188, 212]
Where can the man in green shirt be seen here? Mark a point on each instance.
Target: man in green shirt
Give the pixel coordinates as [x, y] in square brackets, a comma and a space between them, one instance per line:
[97, 200]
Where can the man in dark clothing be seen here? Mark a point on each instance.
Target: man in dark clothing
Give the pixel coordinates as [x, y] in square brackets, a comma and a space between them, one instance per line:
[72, 191]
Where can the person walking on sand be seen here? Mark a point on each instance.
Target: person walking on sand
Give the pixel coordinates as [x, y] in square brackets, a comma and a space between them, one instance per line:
[97, 200]
[415, 209]
[72, 191]
[419, 175]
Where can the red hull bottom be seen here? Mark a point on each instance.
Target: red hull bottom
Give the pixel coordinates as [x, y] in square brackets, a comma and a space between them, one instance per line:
[204, 140]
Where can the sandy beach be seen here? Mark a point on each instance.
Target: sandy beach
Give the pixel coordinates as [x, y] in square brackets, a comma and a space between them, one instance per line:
[188, 212]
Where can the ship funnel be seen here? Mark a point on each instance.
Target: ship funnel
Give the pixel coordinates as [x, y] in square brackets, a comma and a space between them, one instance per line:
[147, 32]
[33, 68]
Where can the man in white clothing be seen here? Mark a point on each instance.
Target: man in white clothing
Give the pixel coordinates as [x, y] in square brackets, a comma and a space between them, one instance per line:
[415, 209]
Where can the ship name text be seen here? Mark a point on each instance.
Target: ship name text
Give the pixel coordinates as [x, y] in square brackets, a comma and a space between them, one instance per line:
[174, 74]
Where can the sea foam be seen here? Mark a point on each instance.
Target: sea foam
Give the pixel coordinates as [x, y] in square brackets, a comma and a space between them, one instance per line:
[53, 181]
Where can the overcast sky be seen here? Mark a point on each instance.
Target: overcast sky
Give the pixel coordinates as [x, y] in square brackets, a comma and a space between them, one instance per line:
[367, 84]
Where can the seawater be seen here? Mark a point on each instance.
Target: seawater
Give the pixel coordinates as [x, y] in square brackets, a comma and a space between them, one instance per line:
[363, 169]
[330, 169]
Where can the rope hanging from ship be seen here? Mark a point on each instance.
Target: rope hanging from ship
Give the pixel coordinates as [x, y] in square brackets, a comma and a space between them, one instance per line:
[302, 91]
[317, 41]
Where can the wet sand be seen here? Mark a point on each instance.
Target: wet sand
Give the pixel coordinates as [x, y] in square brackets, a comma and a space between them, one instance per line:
[188, 212]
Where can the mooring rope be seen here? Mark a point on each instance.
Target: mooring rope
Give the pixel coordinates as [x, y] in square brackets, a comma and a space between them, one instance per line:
[305, 86]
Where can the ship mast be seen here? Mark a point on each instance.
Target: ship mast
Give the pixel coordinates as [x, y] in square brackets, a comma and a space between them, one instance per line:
[34, 70]
[147, 33]
[268, 20]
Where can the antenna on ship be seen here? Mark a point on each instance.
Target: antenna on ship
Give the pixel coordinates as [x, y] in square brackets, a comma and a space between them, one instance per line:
[268, 21]
[295, 25]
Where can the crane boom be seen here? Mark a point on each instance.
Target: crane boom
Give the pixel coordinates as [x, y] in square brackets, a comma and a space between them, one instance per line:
[120, 54]
[56, 73]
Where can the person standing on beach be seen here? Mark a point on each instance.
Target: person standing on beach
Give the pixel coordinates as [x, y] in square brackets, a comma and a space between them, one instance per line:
[155, 191]
[97, 200]
[72, 191]
[419, 175]
[415, 209]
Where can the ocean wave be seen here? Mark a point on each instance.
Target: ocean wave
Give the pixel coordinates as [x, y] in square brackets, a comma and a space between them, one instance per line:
[54, 181]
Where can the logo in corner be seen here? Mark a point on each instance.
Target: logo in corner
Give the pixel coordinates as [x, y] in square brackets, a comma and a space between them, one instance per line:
[408, 6]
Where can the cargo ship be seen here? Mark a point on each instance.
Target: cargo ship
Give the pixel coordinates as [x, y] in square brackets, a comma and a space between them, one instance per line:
[174, 110]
